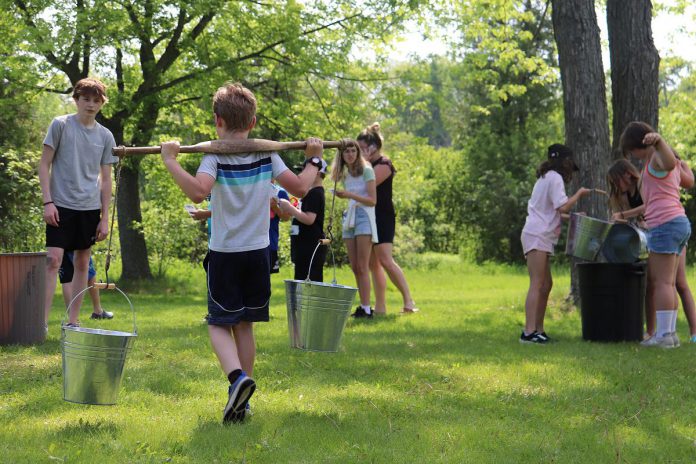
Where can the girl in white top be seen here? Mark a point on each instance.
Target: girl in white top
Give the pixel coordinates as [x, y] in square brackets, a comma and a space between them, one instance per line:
[359, 228]
[541, 231]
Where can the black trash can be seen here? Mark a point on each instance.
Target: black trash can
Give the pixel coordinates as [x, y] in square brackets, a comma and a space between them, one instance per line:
[612, 301]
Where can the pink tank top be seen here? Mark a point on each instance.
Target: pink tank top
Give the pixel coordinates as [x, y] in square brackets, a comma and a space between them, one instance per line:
[661, 197]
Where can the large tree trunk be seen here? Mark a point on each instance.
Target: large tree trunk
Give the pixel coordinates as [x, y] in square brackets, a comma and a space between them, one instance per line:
[133, 248]
[635, 65]
[584, 101]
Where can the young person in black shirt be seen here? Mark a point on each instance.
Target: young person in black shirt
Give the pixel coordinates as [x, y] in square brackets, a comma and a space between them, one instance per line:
[307, 229]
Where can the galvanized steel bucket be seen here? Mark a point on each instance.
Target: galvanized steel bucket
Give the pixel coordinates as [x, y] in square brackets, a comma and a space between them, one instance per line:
[94, 359]
[586, 236]
[317, 312]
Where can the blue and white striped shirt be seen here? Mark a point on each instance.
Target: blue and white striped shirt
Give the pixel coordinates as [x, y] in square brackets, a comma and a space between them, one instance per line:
[240, 199]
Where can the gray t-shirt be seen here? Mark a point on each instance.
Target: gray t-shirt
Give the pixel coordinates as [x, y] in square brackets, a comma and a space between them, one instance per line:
[239, 201]
[79, 154]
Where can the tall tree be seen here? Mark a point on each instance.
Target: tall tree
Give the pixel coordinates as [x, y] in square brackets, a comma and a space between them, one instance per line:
[584, 100]
[635, 65]
[164, 56]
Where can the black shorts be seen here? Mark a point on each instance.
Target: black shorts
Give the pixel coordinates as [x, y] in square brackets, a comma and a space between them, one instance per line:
[386, 226]
[77, 230]
[239, 287]
[302, 256]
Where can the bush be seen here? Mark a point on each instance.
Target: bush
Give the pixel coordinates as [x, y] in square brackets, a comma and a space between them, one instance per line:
[21, 212]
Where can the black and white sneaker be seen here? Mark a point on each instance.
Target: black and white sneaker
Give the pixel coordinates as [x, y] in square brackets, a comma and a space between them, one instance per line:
[544, 337]
[532, 338]
[361, 313]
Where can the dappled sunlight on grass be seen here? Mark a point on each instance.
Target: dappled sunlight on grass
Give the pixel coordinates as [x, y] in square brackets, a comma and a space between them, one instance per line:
[449, 384]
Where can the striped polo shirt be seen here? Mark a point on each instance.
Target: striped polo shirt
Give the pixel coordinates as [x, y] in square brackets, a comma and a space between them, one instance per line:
[240, 199]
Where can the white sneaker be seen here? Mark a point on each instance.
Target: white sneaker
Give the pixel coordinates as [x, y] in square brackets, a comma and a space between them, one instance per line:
[675, 340]
[666, 341]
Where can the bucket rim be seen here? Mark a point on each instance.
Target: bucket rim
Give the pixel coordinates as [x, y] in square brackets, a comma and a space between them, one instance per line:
[93, 331]
[320, 284]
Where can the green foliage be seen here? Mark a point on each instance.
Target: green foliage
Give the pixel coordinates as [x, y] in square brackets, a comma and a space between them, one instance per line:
[170, 231]
[21, 213]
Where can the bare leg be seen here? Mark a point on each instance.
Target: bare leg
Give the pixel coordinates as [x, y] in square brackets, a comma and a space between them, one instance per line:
[396, 275]
[379, 282]
[359, 257]
[95, 297]
[246, 345]
[685, 294]
[67, 293]
[53, 260]
[544, 297]
[79, 282]
[649, 306]
[539, 290]
[225, 347]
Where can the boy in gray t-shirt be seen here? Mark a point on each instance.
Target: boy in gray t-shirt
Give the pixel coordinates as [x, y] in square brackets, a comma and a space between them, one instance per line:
[238, 269]
[75, 177]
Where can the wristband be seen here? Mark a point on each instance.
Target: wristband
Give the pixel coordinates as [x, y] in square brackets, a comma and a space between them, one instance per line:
[48, 203]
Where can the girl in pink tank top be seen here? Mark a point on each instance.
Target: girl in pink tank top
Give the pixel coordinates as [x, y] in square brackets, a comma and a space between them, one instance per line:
[668, 227]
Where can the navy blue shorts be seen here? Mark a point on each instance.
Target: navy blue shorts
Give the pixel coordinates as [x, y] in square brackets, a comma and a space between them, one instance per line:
[239, 287]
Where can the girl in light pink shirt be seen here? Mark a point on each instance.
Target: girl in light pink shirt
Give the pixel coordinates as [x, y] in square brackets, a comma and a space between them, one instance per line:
[668, 227]
[541, 231]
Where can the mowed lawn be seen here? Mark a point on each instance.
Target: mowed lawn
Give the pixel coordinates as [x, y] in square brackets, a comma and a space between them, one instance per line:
[449, 384]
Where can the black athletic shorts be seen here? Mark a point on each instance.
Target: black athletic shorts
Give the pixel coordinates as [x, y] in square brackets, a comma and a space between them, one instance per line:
[239, 287]
[77, 230]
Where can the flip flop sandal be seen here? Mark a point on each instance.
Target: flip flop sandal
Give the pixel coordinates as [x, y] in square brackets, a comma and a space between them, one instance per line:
[409, 310]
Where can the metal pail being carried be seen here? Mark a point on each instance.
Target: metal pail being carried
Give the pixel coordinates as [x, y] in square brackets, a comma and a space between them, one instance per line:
[586, 236]
[317, 314]
[93, 360]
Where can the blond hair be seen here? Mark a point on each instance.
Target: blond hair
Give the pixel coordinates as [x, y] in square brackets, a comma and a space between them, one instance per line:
[372, 135]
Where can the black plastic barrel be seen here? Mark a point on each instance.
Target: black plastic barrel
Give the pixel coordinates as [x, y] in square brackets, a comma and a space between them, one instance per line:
[612, 301]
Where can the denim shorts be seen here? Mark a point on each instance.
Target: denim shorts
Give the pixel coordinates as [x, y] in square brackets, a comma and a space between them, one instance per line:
[671, 237]
[362, 225]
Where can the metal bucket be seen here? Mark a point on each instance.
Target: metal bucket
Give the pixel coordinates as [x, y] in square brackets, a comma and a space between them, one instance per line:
[586, 236]
[93, 361]
[626, 244]
[317, 314]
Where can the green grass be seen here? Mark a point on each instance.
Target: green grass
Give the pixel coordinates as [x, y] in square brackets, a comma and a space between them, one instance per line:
[450, 384]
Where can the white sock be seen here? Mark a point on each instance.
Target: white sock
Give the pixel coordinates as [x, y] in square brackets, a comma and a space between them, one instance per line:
[664, 322]
[367, 309]
[673, 326]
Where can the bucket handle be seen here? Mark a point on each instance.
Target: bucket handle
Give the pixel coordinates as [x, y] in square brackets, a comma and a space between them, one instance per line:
[326, 242]
[102, 286]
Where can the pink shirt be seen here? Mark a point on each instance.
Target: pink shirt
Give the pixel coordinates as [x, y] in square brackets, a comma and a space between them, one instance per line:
[543, 218]
[661, 197]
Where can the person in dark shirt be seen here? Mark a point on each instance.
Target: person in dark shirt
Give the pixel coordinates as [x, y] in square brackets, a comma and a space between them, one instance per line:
[306, 229]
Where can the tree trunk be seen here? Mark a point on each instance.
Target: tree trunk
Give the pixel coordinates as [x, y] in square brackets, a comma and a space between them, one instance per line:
[133, 248]
[584, 102]
[134, 262]
[635, 65]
